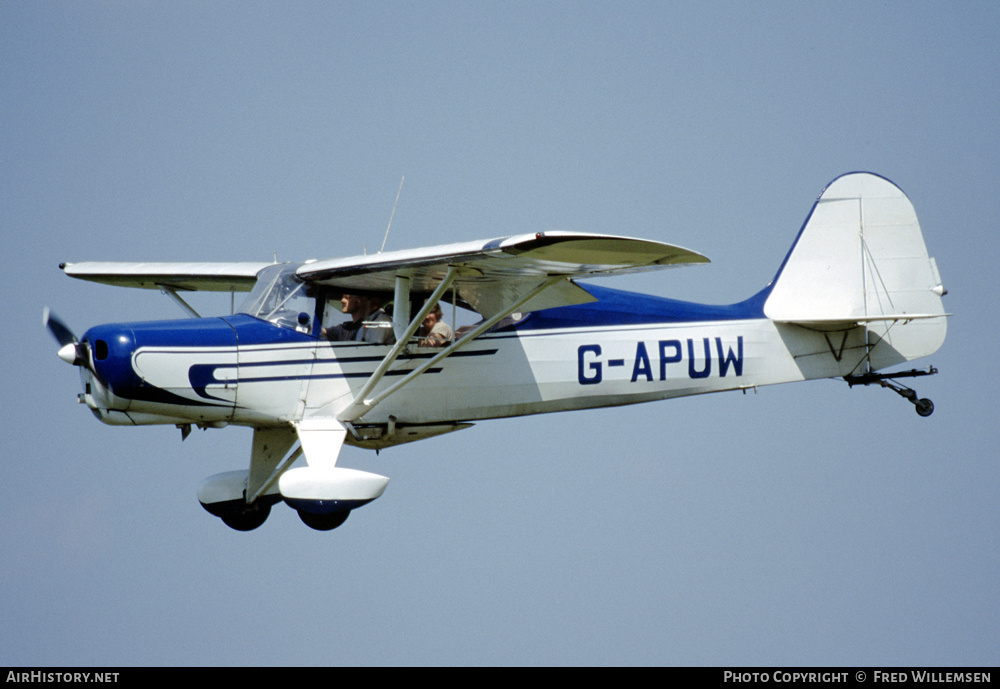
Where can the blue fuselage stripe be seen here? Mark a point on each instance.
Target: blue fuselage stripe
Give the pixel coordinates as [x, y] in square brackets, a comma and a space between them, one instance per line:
[616, 308]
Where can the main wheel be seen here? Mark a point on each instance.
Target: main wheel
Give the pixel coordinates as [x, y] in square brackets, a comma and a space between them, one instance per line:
[324, 522]
[924, 407]
[246, 518]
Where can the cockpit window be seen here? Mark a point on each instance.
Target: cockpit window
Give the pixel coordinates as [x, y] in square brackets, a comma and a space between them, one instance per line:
[279, 297]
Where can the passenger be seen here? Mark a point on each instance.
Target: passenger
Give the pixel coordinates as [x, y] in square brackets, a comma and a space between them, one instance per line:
[434, 332]
[362, 309]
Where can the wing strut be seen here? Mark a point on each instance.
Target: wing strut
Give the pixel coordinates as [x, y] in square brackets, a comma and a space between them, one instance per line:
[403, 338]
[172, 293]
[362, 406]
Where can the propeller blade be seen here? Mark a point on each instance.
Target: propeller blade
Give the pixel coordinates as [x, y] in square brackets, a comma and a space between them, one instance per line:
[59, 330]
[71, 350]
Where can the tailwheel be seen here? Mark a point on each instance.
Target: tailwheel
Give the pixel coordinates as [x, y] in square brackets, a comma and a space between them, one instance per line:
[324, 522]
[923, 405]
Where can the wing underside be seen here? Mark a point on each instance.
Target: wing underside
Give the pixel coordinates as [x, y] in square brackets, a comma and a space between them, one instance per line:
[492, 274]
[488, 275]
[212, 277]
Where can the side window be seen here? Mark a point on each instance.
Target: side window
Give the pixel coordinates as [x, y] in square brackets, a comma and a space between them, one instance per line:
[333, 313]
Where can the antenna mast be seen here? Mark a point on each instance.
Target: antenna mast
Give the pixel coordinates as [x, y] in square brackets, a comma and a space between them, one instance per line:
[391, 215]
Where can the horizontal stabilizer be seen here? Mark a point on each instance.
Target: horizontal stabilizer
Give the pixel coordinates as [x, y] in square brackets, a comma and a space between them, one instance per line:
[847, 324]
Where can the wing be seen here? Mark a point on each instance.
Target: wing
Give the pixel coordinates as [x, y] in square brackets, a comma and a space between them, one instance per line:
[493, 274]
[212, 277]
[496, 277]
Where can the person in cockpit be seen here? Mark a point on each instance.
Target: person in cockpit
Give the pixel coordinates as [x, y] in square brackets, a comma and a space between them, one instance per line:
[434, 332]
[369, 321]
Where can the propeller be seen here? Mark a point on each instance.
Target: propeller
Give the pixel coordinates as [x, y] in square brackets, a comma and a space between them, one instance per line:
[71, 350]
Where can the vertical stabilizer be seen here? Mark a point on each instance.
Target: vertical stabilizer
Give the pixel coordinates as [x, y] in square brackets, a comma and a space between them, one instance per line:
[860, 261]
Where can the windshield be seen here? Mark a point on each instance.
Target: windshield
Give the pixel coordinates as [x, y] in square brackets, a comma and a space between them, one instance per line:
[281, 298]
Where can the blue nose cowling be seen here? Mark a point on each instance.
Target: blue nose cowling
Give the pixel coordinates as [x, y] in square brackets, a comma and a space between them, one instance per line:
[113, 346]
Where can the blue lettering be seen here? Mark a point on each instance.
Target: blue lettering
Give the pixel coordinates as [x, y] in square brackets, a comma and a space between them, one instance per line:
[594, 368]
[726, 359]
[642, 367]
[664, 359]
[590, 367]
[705, 372]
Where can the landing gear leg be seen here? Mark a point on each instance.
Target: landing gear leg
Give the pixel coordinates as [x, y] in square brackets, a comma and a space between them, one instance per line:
[924, 406]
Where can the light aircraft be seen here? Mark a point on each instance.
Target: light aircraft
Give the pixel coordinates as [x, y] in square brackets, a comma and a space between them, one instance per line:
[856, 294]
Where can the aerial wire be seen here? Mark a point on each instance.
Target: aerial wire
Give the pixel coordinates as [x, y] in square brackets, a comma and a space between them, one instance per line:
[391, 215]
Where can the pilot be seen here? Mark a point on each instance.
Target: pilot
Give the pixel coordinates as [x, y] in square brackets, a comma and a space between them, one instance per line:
[362, 309]
[434, 332]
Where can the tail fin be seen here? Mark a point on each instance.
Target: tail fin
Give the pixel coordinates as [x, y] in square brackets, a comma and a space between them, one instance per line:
[860, 261]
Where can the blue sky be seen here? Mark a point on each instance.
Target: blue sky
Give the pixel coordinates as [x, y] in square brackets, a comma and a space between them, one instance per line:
[806, 524]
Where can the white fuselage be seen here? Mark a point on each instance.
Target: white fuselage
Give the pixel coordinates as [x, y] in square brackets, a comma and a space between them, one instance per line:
[501, 374]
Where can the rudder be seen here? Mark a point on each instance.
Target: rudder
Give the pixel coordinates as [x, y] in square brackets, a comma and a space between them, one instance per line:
[860, 261]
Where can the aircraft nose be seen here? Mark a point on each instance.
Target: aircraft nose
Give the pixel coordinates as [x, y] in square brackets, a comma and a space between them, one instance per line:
[69, 353]
[111, 347]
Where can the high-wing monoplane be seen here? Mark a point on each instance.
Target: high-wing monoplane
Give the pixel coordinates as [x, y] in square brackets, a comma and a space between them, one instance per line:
[856, 294]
